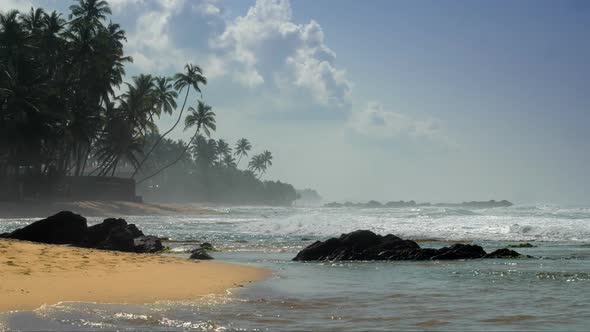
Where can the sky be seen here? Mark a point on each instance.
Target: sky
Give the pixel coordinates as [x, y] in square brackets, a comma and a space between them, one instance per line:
[387, 100]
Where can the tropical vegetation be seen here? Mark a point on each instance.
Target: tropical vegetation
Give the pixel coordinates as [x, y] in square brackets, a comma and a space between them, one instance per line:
[68, 110]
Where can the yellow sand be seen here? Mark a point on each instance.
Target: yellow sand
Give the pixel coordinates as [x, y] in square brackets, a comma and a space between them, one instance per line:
[35, 274]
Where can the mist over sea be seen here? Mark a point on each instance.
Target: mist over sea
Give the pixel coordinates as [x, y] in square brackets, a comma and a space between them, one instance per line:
[548, 292]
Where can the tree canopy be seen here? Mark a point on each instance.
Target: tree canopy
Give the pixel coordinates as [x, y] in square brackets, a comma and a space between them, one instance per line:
[68, 109]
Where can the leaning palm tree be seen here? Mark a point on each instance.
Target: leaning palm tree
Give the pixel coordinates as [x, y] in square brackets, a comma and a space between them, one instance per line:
[242, 148]
[204, 119]
[191, 78]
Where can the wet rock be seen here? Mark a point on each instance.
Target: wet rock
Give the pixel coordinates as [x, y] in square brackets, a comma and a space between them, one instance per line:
[98, 233]
[62, 228]
[365, 245]
[200, 254]
[459, 251]
[505, 253]
[121, 238]
[521, 245]
[69, 228]
[147, 244]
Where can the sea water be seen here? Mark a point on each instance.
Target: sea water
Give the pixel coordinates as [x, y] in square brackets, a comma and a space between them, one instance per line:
[548, 292]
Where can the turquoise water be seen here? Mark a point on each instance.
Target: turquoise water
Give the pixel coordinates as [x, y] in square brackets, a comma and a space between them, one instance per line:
[550, 292]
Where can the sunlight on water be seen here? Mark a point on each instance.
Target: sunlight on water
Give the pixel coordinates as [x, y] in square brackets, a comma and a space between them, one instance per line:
[545, 293]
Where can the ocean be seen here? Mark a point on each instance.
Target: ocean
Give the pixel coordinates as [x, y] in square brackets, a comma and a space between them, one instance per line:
[550, 292]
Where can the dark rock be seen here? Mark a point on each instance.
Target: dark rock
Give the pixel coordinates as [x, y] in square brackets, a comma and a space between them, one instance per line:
[505, 253]
[69, 228]
[206, 246]
[367, 246]
[62, 228]
[147, 244]
[200, 254]
[98, 233]
[459, 251]
[121, 238]
[521, 245]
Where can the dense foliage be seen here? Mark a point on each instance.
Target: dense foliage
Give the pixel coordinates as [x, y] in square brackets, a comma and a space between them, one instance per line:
[209, 173]
[61, 112]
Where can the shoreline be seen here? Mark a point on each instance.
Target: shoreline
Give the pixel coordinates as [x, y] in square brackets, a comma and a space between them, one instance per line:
[98, 209]
[35, 274]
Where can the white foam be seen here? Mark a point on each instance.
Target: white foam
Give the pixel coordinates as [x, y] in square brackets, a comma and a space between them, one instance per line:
[513, 224]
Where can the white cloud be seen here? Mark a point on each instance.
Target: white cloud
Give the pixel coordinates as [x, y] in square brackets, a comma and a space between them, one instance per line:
[20, 5]
[150, 43]
[375, 121]
[266, 42]
[119, 5]
[262, 47]
[208, 7]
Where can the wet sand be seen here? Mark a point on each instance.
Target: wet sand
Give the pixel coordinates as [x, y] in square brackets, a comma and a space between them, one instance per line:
[97, 209]
[35, 274]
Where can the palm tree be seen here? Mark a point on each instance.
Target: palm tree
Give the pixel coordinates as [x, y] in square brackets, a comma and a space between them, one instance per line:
[229, 161]
[242, 148]
[88, 14]
[267, 158]
[33, 21]
[223, 150]
[138, 103]
[204, 119]
[191, 78]
[165, 95]
[257, 164]
[117, 143]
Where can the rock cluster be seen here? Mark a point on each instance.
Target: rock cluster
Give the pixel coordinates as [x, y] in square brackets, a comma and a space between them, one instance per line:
[69, 228]
[363, 245]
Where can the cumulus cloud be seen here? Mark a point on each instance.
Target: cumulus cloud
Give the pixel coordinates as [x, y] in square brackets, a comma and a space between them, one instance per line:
[150, 43]
[263, 47]
[266, 43]
[376, 121]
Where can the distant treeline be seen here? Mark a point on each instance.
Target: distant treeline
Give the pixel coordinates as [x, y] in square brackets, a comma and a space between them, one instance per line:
[65, 111]
[209, 173]
[392, 204]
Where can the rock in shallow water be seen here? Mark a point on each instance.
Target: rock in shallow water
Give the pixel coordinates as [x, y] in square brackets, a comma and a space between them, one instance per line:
[147, 244]
[69, 228]
[200, 254]
[363, 245]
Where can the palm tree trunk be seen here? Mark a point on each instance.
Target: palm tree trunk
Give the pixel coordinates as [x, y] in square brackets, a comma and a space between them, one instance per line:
[115, 167]
[175, 161]
[188, 88]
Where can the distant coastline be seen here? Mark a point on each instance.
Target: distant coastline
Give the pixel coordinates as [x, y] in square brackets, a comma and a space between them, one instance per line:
[400, 204]
[98, 209]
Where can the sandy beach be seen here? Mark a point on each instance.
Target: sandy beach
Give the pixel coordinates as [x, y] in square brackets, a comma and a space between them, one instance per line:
[98, 209]
[36, 274]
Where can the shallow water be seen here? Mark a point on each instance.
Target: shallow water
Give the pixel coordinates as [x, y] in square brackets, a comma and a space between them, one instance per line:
[549, 292]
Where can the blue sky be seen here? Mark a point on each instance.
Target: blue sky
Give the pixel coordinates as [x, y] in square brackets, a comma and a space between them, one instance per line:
[380, 99]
